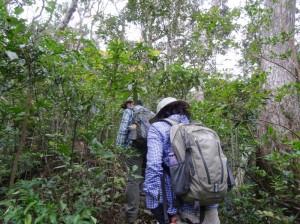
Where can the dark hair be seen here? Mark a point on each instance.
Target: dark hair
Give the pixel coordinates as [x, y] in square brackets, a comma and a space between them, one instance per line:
[174, 108]
[123, 106]
[139, 102]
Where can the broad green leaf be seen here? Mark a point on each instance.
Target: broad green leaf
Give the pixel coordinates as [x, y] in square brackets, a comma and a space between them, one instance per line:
[7, 210]
[11, 55]
[20, 28]
[270, 130]
[39, 218]
[28, 219]
[62, 205]
[96, 142]
[29, 206]
[117, 194]
[8, 216]
[53, 218]
[135, 168]
[80, 107]
[154, 53]
[22, 62]
[94, 109]
[76, 218]
[268, 213]
[64, 149]
[18, 10]
[94, 220]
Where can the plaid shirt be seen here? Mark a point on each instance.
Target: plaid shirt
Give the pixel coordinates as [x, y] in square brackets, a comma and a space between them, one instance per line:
[122, 138]
[159, 146]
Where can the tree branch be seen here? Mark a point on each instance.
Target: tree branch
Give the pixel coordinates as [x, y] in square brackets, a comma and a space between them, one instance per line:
[65, 21]
[42, 9]
[275, 63]
[290, 130]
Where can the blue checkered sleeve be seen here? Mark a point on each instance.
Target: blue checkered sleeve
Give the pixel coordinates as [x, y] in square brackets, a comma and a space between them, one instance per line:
[122, 138]
[158, 141]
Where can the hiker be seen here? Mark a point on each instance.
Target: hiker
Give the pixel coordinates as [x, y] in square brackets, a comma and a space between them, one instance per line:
[159, 147]
[133, 184]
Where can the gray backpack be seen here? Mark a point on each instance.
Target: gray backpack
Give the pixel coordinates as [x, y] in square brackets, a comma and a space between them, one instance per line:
[200, 174]
[141, 116]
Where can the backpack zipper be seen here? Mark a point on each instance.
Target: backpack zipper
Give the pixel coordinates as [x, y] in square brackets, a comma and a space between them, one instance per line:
[204, 163]
[222, 167]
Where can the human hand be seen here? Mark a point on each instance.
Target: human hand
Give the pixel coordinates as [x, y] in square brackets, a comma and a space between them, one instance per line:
[173, 219]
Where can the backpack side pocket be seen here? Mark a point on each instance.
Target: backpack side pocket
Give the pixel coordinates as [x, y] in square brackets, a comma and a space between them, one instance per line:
[179, 178]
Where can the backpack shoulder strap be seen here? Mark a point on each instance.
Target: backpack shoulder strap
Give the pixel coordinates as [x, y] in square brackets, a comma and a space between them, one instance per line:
[170, 121]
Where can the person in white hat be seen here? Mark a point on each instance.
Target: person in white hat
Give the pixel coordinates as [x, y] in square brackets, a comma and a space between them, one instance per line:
[159, 147]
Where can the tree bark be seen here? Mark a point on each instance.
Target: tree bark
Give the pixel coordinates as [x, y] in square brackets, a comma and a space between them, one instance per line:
[283, 115]
[65, 21]
[281, 65]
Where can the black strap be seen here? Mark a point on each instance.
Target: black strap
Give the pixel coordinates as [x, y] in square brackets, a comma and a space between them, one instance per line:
[196, 207]
[230, 178]
[188, 158]
[202, 213]
[228, 204]
[165, 202]
[166, 168]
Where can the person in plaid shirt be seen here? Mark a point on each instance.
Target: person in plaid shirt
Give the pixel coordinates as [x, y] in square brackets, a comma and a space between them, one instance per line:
[159, 147]
[122, 138]
[133, 184]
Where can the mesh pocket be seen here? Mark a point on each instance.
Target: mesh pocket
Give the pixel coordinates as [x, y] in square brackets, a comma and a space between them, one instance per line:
[179, 178]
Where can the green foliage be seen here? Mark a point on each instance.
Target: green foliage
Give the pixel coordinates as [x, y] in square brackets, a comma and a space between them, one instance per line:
[216, 25]
[137, 10]
[241, 208]
[279, 202]
[69, 170]
[82, 191]
[68, 158]
[230, 104]
[31, 202]
[176, 81]
[111, 29]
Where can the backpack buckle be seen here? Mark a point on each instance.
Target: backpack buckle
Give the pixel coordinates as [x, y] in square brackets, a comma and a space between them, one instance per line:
[216, 188]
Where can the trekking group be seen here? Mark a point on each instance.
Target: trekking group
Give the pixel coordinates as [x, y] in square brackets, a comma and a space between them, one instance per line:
[186, 174]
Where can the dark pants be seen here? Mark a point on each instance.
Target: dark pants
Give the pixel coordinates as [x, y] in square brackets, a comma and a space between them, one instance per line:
[211, 216]
[133, 188]
[158, 213]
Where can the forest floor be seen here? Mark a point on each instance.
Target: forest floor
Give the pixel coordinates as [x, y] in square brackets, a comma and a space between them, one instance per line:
[145, 216]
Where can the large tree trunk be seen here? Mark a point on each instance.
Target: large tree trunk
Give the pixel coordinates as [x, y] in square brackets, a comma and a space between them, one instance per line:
[283, 116]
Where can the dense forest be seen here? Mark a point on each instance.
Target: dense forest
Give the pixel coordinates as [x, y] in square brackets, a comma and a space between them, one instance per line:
[67, 66]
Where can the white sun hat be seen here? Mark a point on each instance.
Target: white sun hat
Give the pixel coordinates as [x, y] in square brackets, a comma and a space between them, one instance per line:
[165, 102]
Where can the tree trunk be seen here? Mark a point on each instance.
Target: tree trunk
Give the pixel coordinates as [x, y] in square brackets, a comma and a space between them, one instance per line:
[22, 139]
[283, 115]
[65, 21]
[281, 66]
